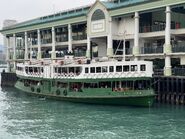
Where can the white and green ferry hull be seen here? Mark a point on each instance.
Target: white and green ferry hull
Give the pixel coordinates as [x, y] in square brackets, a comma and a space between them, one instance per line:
[105, 96]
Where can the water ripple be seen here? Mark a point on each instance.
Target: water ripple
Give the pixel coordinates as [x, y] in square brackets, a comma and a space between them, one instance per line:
[25, 117]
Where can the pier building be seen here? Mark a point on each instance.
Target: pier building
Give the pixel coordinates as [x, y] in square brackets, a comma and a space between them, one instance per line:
[147, 29]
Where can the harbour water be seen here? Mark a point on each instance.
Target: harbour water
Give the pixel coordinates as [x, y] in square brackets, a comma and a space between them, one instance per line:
[26, 117]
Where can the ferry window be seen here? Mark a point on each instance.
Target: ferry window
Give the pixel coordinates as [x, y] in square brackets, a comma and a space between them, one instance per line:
[64, 70]
[118, 68]
[30, 69]
[42, 70]
[143, 67]
[55, 70]
[77, 70]
[125, 68]
[86, 70]
[133, 67]
[98, 69]
[111, 69]
[92, 69]
[104, 69]
[35, 70]
[26, 69]
[59, 70]
[71, 70]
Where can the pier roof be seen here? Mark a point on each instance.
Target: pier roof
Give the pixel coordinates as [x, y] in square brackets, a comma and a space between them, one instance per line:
[81, 12]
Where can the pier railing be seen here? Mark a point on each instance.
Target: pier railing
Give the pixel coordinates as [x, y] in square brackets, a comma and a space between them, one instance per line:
[158, 72]
[175, 72]
[152, 50]
[178, 71]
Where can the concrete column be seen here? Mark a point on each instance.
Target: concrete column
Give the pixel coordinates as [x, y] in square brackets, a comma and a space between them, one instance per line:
[53, 56]
[69, 38]
[26, 46]
[88, 52]
[8, 53]
[31, 47]
[14, 51]
[109, 41]
[136, 37]
[39, 45]
[167, 45]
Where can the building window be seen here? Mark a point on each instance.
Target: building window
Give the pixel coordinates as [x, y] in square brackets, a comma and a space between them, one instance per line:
[118, 68]
[143, 68]
[98, 15]
[111, 69]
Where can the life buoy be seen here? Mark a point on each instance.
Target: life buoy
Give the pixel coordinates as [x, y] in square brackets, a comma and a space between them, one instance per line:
[58, 92]
[65, 92]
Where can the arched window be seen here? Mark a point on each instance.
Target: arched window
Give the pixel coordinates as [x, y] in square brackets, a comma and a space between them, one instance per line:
[98, 15]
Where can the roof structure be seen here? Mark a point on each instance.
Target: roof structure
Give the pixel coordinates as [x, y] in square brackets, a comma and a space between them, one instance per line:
[82, 11]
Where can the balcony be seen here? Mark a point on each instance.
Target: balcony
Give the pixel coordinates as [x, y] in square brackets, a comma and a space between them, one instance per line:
[80, 54]
[152, 50]
[179, 47]
[80, 37]
[128, 51]
[20, 56]
[46, 41]
[61, 38]
[153, 28]
[11, 56]
[178, 71]
[46, 55]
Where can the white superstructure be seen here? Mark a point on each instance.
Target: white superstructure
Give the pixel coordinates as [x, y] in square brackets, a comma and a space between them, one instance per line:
[96, 70]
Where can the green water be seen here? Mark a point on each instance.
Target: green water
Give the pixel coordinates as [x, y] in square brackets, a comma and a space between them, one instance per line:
[26, 117]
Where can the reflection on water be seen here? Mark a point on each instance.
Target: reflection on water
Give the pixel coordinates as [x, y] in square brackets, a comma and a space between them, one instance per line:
[26, 117]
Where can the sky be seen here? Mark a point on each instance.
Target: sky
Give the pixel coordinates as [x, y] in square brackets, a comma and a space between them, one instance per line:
[22, 10]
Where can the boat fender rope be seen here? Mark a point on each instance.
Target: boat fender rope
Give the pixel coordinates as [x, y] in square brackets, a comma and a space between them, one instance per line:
[58, 92]
[38, 90]
[32, 89]
[65, 92]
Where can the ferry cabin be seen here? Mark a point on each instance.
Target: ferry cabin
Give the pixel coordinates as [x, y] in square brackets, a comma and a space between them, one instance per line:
[99, 78]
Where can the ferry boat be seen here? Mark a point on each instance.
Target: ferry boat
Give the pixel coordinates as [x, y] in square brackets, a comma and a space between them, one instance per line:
[100, 81]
